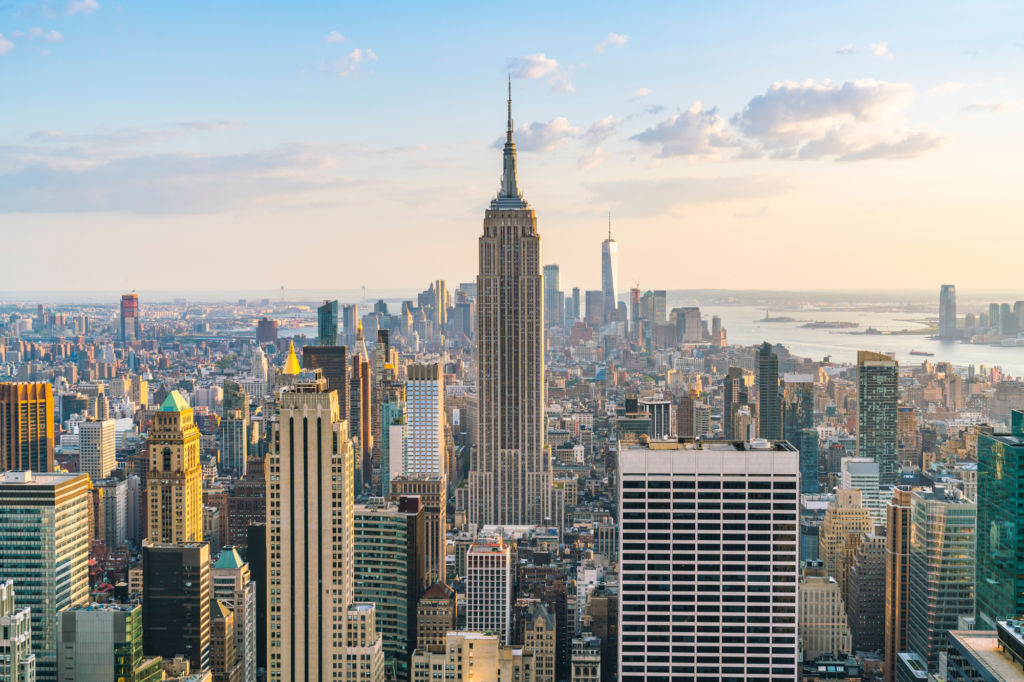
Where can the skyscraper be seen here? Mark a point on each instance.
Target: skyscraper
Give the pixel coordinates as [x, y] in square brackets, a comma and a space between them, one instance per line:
[993, 315]
[798, 427]
[129, 311]
[26, 427]
[554, 309]
[769, 413]
[425, 448]
[97, 449]
[897, 572]
[595, 308]
[327, 323]
[510, 474]
[176, 601]
[877, 397]
[234, 588]
[175, 507]
[947, 311]
[577, 313]
[609, 271]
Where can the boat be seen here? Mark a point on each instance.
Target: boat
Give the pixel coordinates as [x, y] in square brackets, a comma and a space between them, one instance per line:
[922, 352]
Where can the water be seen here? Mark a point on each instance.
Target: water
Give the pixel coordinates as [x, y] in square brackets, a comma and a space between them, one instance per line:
[741, 328]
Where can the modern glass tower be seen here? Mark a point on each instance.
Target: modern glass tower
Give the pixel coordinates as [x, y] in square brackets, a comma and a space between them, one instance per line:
[609, 270]
[510, 472]
[1000, 525]
[769, 402]
[327, 323]
[947, 311]
[877, 397]
[798, 429]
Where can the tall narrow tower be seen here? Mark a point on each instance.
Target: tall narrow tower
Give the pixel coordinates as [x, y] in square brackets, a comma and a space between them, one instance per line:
[609, 271]
[510, 475]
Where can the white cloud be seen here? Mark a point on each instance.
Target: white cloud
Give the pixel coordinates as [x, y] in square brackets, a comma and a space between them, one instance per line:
[989, 107]
[600, 130]
[881, 50]
[5, 45]
[334, 37]
[83, 6]
[539, 66]
[613, 39]
[641, 93]
[910, 146]
[696, 133]
[542, 137]
[677, 196]
[593, 159]
[352, 61]
[944, 88]
[845, 50]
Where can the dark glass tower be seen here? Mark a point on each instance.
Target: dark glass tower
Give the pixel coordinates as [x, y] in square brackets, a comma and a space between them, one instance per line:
[769, 414]
[798, 429]
[327, 323]
[878, 378]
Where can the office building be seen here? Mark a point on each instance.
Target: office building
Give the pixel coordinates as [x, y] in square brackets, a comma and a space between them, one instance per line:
[941, 584]
[130, 311]
[266, 331]
[735, 394]
[332, 361]
[877, 397]
[947, 311]
[394, 435]
[113, 496]
[769, 404]
[310, 518]
[510, 472]
[484, 654]
[738, 564]
[97, 448]
[327, 324]
[234, 442]
[433, 495]
[539, 636]
[175, 499]
[44, 520]
[846, 521]
[224, 661]
[234, 588]
[897, 575]
[908, 435]
[824, 628]
[435, 615]
[425, 448]
[663, 424]
[489, 589]
[26, 427]
[595, 309]
[985, 655]
[103, 642]
[993, 316]
[364, 646]
[798, 427]
[16, 643]
[609, 272]
[586, 659]
[866, 589]
[861, 473]
[1000, 524]
[176, 601]
[554, 306]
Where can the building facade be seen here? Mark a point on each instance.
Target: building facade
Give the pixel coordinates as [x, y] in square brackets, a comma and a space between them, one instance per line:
[175, 497]
[26, 427]
[489, 589]
[877, 400]
[176, 601]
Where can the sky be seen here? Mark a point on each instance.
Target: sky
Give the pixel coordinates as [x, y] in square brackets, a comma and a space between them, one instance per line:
[739, 145]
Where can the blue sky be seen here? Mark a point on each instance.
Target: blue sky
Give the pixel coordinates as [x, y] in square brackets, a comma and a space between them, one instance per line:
[219, 142]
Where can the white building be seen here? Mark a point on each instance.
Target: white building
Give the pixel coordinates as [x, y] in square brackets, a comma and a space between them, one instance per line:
[489, 589]
[425, 447]
[97, 446]
[115, 511]
[861, 473]
[231, 584]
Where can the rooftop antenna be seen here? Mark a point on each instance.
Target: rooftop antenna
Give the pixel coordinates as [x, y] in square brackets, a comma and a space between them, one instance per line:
[609, 225]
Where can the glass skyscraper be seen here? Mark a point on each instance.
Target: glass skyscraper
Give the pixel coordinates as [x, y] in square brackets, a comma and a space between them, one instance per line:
[877, 396]
[1000, 525]
[947, 311]
[798, 429]
[609, 270]
[769, 404]
[327, 323]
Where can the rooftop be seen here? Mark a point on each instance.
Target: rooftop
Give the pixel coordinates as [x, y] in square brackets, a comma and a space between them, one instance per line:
[174, 403]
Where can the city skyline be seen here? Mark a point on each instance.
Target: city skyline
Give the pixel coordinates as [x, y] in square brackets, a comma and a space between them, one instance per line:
[686, 153]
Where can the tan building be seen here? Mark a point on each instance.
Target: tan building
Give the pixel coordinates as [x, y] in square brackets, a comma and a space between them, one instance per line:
[140, 392]
[823, 625]
[364, 655]
[224, 658]
[510, 471]
[26, 427]
[586, 659]
[539, 635]
[435, 615]
[897, 575]
[847, 519]
[175, 509]
[908, 434]
[433, 496]
[476, 656]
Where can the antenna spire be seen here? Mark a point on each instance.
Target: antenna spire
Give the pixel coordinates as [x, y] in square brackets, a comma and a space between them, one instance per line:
[609, 225]
[509, 133]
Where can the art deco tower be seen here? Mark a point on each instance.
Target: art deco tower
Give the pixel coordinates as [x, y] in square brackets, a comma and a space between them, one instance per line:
[510, 475]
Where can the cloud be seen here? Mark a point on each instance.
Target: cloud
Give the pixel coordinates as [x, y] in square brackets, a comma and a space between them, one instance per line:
[600, 130]
[881, 50]
[694, 133]
[102, 145]
[352, 61]
[640, 94]
[679, 195]
[911, 146]
[334, 37]
[5, 45]
[845, 50]
[542, 137]
[593, 159]
[539, 66]
[33, 33]
[83, 6]
[992, 107]
[654, 109]
[52, 9]
[613, 39]
[944, 88]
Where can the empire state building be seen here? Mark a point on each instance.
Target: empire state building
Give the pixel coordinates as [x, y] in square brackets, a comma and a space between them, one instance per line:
[510, 474]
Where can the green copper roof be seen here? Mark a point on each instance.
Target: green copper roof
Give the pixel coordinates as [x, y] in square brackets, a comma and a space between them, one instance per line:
[174, 403]
[229, 559]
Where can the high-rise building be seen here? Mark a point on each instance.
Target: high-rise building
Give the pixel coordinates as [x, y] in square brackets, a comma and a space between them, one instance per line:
[735, 394]
[908, 434]
[866, 590]
[435, 615]
[225, 663]
[846, 521]
[719, 560]
[175, 499]
[103, 642]
[798, 427]
[327, 324]
[332, 361]
[595, 308]
[44, 520]
[433, 495]
[576, 309]
[26, 427]
[660, 306]
[539, 637]
[663, 422]
[554, 310]
[114, 507]
[97, 448]
[491, 658]
[824, 626]
[609, 271]
[897, 573]
[234, 588]
[16, 644]
[993, 315]
[350, 322]
[977, 654]
[489, 589]
[510, 472]
[266, 331]
[425, 448]
[769, 403]
[877, 398]
[861, 473]
[947, 311]
[1000, 524]
[234, 442]
[941, 584]
[130, 311]
[176, 601]
[310, 519]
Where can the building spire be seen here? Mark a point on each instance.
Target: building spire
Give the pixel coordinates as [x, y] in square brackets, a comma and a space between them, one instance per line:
[609, 225]
[509, 185]
[509, 133]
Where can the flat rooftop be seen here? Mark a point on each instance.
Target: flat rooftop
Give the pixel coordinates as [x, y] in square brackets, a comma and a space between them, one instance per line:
[720, 445]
